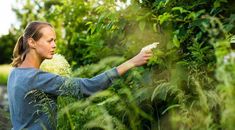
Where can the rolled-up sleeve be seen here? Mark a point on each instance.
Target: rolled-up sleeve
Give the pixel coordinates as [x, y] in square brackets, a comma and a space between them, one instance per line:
[97, 83]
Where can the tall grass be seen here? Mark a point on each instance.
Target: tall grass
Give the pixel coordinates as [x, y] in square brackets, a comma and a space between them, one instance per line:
[4, 120]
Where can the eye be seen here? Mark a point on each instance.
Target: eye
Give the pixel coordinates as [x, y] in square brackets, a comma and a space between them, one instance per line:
[49, 40]
[52, 40]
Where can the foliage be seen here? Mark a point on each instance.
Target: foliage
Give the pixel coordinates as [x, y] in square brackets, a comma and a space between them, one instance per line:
[44, 104]
[4, 120]
[5, 70]
[7, 43]
[187, 84]
[224, 74]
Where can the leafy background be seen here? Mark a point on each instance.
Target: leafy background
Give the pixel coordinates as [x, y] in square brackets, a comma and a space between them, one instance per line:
[187, 84]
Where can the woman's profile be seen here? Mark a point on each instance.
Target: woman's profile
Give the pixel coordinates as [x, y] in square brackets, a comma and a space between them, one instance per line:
[35, 45]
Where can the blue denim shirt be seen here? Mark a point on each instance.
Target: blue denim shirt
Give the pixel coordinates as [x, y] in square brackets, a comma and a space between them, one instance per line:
[23, 80]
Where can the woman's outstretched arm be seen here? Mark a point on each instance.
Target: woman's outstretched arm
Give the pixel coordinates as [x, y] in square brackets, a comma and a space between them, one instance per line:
[140, 59]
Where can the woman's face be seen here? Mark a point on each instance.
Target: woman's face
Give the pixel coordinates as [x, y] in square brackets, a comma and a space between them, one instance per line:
[45, 46]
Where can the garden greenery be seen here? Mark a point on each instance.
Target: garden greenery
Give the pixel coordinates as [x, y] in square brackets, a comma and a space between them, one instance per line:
[187, 84]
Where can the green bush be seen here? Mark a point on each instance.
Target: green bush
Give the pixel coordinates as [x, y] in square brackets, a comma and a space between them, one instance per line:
[7, 43]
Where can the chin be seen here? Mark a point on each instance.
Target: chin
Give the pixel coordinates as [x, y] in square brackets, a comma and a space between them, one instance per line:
[49, 57]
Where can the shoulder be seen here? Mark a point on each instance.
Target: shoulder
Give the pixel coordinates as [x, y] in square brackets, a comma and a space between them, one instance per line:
[32, 75]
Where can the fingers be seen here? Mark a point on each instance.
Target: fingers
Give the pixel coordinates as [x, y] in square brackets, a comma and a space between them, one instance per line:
[146, 59]
[143, 57]
[148, 55]
[148, 51]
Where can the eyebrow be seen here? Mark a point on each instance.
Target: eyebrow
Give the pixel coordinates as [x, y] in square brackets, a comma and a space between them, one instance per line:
[52, 39]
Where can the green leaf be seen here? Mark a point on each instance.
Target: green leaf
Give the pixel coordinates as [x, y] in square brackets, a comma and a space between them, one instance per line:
[88, 23]
[165, 17]
[176, 41]
[155, 27]
[161, 91]
[142, 25]
[182, 10]
[170, 107]
[217, 3]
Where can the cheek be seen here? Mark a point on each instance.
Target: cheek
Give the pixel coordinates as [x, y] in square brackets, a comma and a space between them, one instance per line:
[42, 47]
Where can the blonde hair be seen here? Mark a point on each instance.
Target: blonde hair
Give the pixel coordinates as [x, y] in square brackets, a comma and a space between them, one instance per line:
[32, 30]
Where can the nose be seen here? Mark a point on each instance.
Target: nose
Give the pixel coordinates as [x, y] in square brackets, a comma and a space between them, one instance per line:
[53, 44]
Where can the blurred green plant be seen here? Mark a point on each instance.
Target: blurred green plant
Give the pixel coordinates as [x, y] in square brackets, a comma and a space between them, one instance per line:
[4, 120]
[7, 43]
[225, 73]
[5, 70]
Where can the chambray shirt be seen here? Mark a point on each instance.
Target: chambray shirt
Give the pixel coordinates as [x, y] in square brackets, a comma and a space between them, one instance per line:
[23, 80]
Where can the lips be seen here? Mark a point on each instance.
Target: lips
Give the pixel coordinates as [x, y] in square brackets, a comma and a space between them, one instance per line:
[52, 52]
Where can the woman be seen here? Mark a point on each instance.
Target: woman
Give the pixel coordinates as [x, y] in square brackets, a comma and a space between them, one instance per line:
[36, 44]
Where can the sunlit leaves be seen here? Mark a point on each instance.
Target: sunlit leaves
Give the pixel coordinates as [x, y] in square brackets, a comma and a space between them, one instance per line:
[176, 41]
[217, 3]
[164, 17]
[180, 9]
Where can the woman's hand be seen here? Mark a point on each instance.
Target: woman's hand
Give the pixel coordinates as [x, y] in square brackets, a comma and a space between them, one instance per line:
[140, 59]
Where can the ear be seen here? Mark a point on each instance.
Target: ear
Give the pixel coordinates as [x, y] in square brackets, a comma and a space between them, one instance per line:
[31, 43]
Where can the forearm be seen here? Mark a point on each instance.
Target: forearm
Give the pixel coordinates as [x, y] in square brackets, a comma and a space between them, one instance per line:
[88, 86]
[124, 67]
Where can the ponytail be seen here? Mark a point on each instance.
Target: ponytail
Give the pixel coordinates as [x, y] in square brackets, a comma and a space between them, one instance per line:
[19, 52]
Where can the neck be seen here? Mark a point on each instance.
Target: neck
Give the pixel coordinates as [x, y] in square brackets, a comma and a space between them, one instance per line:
[32, 60]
